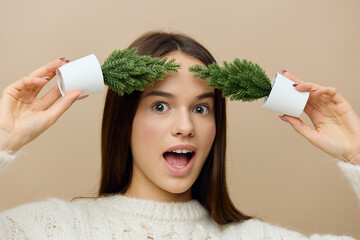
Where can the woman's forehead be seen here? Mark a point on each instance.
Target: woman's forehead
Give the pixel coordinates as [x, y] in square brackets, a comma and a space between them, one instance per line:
[183, 80]
[180, 85]
[182, 58]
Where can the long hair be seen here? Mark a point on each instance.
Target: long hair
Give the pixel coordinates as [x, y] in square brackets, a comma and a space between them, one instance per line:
[210, 188]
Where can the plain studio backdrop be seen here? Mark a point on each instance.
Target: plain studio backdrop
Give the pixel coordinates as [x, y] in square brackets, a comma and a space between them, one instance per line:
[273, 172]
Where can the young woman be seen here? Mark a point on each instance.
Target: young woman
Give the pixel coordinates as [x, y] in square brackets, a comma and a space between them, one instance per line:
[163, 155]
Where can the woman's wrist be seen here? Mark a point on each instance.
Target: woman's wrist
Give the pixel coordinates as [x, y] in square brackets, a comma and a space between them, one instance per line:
[6, 145]
[352, 158]
[356, 161]
[8, 150]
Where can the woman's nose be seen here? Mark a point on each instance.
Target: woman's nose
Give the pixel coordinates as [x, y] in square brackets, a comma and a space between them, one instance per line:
[183, 124]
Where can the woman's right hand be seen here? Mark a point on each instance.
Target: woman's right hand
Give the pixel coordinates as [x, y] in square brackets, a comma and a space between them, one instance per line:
[23, 116]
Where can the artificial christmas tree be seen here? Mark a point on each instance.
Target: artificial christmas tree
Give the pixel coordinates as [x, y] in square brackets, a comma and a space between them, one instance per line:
[246, 81]
[124, 71]
[239, 80]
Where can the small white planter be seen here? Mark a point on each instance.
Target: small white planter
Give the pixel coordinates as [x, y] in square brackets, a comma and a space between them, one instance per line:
[82, 74]
[284, 98]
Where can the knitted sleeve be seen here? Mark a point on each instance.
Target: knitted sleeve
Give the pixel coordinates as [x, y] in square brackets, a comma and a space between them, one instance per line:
[50, 219]
[256, 229]
[352, 173]
[5, 160]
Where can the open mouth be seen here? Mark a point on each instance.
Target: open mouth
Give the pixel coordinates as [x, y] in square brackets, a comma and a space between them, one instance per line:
[178, 158]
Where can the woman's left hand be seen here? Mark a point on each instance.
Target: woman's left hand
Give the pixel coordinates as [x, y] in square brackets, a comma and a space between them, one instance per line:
[336, 125]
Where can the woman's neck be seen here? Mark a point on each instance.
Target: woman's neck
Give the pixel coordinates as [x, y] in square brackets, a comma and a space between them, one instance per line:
[150, 191]
[160, 195]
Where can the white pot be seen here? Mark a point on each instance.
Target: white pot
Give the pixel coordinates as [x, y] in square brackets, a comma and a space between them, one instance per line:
[82, 74]
[284, 98]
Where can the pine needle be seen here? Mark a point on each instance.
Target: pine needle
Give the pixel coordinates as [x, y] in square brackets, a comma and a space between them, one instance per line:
[125, 71]
[239, 80]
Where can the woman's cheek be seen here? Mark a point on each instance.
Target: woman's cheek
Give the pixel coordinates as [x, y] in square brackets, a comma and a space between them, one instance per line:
[151, 131]
[208, 132]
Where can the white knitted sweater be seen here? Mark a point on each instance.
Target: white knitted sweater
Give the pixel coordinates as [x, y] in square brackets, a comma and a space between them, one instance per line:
[120, 217]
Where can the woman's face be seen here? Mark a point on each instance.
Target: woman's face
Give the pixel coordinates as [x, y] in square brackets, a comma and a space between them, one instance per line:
[172, 134]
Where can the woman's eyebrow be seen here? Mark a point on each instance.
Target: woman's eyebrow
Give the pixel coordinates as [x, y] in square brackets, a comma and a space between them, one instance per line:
[159, 93]
[205, 95]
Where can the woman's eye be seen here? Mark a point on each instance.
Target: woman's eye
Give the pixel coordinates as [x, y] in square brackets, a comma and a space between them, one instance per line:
[201, 109]
[160, 107]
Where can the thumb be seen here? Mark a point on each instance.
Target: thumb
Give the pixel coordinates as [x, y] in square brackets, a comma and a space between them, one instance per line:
[56, 110]
[300, 127]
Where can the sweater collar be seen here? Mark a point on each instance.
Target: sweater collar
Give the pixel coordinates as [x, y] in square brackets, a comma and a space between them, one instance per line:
[154, 210]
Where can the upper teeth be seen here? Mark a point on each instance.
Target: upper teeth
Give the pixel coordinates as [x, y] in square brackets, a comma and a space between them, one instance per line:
[181, 151]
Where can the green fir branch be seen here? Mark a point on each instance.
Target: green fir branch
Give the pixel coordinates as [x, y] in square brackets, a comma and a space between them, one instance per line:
[239, 80]
[125, 71]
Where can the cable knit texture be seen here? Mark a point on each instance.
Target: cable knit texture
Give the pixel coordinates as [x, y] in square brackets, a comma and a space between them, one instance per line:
[120, 217]
[5, 160]
[352, 173]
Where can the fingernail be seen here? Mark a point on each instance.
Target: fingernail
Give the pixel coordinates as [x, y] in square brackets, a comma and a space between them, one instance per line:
[67, 60]
[295, 84]
[81, 96]
[284, 119]
[47, 78]
[62, 58]
[283, 71]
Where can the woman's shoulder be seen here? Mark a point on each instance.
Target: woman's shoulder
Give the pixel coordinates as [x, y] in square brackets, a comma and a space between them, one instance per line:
[258, 229]
[52, 216]
[53, 208]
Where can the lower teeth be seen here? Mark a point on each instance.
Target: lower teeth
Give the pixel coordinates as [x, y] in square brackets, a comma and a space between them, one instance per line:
[177, 166]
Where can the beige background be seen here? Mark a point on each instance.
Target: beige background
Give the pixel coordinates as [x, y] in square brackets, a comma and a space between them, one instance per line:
[274, 173]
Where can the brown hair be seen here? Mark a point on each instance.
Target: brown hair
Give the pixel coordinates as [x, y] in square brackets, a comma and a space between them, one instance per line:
[210, 188]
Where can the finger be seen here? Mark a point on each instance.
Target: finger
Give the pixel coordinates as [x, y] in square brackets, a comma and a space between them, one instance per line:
[49, 98]
[306, 87]
[299, 84]
[31, 85]
[55, 111]
[302, 128]
[312, 110]
[291, 76]
[49, 70]
[331, 93]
